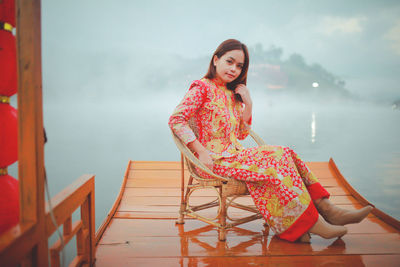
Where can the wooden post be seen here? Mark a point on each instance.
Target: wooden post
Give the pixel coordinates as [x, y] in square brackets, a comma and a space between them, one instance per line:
[30, 124]
[83, 251]
[92, 227]
[67, 227]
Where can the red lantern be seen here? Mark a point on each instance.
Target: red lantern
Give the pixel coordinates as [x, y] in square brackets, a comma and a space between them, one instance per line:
[7, 11]
[8, 135]
[9, 196]
[9, 202]
[8, 65]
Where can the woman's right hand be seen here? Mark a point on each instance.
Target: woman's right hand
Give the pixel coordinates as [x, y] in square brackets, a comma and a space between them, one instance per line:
[202, 152]
[206, 159]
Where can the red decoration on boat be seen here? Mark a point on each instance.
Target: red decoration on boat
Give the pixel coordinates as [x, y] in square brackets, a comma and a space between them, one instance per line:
[7, 11]
[9, 195]
[8, 135]
[9, 202]
[8, 66]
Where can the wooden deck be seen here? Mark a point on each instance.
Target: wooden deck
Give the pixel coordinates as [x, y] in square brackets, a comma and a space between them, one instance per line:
[140, 229]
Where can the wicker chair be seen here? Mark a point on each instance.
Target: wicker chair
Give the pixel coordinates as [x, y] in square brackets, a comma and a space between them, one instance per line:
[227, 191]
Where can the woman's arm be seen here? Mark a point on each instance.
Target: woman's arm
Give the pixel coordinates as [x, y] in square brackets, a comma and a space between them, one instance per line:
[204, 157]
[190, 104]
[178, 122]
[247, 113]
[243, 91]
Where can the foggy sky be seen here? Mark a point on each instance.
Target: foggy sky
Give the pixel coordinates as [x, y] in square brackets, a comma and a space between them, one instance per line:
[356, 40]
[94, 49]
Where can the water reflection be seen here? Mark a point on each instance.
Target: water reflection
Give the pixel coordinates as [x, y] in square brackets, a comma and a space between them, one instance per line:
[313, 127]
[258, 248]
[220, 248]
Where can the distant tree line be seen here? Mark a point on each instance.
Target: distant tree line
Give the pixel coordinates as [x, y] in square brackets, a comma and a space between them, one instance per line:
[293, 74]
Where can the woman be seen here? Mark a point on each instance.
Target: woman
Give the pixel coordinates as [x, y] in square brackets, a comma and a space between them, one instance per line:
[285, 191]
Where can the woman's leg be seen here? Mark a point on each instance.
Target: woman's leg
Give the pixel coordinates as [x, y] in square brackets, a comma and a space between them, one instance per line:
[277, 188]
[338, 216]
[319, 195]
[314, 188]
[325, 207]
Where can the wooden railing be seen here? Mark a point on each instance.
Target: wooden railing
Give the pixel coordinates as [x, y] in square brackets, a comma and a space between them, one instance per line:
[15, 244]
[26, 244]
[79, 194]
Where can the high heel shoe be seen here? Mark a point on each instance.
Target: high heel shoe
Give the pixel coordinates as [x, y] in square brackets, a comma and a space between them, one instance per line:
[326, 230]
[337, 216]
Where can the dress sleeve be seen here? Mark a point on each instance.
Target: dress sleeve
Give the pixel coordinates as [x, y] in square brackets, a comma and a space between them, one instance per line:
[244, 127]
[190, 104]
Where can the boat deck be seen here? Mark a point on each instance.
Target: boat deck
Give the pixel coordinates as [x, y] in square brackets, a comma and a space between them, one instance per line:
[140, 229]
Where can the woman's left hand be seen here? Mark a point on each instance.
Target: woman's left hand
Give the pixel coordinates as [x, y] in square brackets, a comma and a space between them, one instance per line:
[243, 91]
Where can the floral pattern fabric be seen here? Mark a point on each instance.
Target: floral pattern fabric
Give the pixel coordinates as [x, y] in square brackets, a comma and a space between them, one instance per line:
[280, 183]
[217, 118]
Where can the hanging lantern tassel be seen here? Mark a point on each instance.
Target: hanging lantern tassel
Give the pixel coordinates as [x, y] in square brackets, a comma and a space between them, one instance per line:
[9, 201]
[8, 135]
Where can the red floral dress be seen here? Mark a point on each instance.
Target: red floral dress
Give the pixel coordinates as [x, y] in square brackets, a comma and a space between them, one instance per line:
[280, 183]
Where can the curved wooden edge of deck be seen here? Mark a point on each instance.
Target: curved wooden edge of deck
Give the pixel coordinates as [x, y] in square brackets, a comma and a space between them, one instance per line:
[112, 211]
[377, 212]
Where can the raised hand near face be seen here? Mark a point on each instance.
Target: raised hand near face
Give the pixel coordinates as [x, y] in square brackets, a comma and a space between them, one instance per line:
[243, 91]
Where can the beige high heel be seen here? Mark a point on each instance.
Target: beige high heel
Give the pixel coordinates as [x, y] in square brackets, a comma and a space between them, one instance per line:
[337, 216]
[326, 230]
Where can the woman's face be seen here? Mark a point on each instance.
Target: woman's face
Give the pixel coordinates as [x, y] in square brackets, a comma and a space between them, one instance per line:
[229, 66]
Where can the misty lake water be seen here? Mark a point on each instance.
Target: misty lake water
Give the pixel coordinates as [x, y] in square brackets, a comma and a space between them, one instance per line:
[99, 136]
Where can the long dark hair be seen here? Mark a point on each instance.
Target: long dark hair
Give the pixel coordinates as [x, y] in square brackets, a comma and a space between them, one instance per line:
[226, 46]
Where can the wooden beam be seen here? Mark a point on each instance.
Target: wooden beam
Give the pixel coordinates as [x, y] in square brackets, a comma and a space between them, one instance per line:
[30, 124]
[17, 242]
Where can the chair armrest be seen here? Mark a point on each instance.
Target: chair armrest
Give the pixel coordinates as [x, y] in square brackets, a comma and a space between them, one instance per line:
[193, 159]
[257, 138]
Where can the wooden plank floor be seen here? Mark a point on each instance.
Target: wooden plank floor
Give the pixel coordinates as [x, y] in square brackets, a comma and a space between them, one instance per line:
[142, 231]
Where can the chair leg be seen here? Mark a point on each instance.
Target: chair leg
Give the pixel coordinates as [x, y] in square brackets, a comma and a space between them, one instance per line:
[222, 234]
[266, 229]
[222, 220]
[183, 202]
[181, 217]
